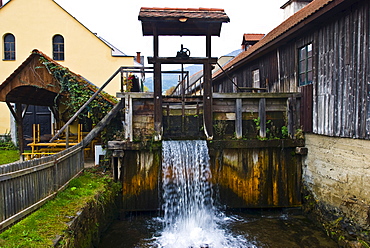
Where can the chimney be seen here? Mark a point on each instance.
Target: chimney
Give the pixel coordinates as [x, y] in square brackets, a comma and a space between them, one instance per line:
[1, 3]
[292, 6]
[138, 58]
[250, 39]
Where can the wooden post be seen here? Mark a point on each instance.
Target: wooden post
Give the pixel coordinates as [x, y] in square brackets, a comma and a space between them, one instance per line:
[158, 102]
[207, 92]
[238, 118]
[291, 115]
[115, 168]
[128, 117]
[67, 137]
[158, 115]
[262, 116]
[207, 102]
[19, 121]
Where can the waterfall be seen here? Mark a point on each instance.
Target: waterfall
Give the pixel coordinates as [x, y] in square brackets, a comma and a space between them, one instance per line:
[190, 217]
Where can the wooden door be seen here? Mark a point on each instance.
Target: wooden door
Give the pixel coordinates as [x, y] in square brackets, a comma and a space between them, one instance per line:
[37, 115]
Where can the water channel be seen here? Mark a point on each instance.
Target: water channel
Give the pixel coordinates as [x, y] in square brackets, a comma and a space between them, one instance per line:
[191, 218]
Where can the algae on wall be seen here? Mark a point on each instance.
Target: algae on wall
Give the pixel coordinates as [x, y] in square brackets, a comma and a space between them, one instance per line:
[257, 175]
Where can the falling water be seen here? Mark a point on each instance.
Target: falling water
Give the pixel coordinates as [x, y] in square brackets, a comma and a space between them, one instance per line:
[190, 217]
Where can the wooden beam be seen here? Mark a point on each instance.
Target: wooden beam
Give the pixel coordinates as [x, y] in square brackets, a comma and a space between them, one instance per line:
[176, 60]
[85, 105]
[255, 95]
[105, 121]
[11, 109]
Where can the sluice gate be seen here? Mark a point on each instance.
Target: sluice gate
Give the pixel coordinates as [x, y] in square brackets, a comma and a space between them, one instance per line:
[254, 163]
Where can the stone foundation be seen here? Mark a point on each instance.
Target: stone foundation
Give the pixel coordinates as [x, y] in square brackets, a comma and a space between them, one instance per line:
[85, 229]
[336, 177]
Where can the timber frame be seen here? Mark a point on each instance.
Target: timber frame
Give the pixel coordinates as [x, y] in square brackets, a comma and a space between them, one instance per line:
[179, 22]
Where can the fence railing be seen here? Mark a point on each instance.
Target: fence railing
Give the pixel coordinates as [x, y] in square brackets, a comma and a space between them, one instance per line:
[25, 186]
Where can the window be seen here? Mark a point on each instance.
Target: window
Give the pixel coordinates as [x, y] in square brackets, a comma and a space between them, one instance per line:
[305, 65]
[9, 47]
[58, 47]
[256, 79]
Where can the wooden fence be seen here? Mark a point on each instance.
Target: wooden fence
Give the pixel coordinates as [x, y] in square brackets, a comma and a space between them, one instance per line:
[25, 186]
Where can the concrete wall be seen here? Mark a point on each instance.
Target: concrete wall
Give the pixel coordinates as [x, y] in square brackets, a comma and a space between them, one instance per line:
[337, 172]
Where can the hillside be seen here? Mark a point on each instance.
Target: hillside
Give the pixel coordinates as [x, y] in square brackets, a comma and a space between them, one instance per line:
[169, 80]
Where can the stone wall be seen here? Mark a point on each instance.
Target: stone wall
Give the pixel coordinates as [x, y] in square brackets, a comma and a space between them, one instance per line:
[84, 229]
[336, 172]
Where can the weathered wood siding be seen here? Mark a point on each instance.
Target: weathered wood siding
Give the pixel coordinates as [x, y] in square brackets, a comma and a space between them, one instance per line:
[246, 174]
[259, 175]
[141, 180]
[342, 88]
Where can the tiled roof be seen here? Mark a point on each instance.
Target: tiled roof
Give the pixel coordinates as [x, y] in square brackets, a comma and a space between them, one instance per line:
[191, 13]
[299, 17]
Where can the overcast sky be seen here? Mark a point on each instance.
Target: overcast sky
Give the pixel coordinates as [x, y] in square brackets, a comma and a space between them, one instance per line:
[117, 22]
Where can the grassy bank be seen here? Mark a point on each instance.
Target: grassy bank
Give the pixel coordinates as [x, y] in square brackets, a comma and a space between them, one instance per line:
[43, 226]
[8, 156]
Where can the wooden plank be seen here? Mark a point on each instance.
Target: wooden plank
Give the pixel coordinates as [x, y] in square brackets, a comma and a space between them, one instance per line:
[253, 95]
[24, 172]
[128, 118]
[262, 116]
[177, 60]
[239, 119]
[136, 95]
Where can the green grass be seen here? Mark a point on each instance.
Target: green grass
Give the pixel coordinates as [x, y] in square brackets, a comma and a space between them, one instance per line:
[8, 156]
[41, 227]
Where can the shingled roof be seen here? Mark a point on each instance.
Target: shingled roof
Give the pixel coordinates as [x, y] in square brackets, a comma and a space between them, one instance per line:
[182, 21]
[303, 17]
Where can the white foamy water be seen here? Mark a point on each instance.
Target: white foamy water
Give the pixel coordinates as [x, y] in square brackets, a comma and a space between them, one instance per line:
[190, 217]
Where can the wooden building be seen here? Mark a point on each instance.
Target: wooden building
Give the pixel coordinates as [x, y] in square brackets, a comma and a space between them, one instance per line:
[321, 51]
[42, 82]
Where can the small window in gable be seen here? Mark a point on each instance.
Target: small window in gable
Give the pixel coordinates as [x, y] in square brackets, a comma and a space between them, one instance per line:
[58, 47]
[305, 65]
[9, 47]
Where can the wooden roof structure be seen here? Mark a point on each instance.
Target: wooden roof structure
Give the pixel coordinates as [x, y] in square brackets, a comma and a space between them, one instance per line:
[30, 83]
[33, 84]
[182, 21]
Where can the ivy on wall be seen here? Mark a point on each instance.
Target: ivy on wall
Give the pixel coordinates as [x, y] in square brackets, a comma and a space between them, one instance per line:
[75, 91]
